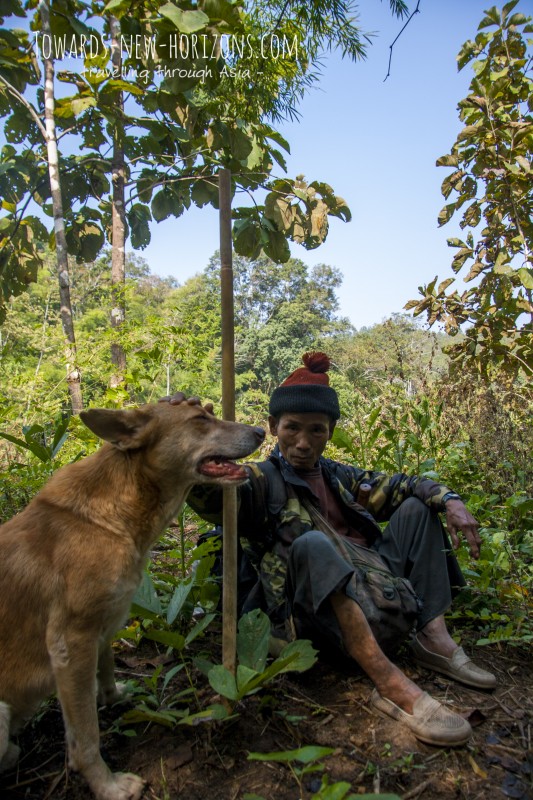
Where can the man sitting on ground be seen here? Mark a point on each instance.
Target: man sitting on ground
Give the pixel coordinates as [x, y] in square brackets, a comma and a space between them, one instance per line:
[301, 575]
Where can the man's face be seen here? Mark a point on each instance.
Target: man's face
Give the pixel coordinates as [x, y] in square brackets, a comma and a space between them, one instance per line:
[302, 437]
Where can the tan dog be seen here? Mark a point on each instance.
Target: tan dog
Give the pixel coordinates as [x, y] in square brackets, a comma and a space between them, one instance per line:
[71, 561]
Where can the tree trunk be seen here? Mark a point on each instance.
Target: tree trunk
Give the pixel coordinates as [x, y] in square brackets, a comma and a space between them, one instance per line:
[73, 373]
[118, 220]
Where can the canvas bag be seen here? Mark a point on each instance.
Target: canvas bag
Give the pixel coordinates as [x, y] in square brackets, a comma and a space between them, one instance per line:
[390, 604]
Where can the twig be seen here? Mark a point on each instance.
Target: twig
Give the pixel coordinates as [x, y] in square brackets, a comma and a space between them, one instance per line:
[501, 747]
[376, 783]
[28, 781]
[52, 788]
[416, 11]
[418, 789]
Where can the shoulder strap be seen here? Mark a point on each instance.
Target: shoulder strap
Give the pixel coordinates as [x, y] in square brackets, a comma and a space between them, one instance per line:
[323, 525]
[273, 487]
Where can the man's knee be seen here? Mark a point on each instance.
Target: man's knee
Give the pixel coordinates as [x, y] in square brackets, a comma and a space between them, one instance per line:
[309, 545]
[414, 509]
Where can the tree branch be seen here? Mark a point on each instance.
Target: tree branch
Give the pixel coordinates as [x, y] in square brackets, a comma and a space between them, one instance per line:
[416, 11]
[11, 89]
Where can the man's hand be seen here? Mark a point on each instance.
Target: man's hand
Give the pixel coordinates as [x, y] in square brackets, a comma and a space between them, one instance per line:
[459, 518]
[179, 397]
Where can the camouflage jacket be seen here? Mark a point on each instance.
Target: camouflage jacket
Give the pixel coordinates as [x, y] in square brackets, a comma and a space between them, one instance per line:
[269, 519]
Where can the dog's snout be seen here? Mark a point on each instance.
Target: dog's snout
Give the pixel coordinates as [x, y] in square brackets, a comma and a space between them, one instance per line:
[260, 433]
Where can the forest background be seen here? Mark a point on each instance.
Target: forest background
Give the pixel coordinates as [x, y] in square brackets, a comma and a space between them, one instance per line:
[452, 402]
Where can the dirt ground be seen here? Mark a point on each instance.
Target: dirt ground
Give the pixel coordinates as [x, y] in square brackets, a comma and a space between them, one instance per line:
[327, 706]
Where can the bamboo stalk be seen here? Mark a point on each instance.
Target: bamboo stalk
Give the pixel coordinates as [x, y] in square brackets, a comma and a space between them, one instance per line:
[229, 551]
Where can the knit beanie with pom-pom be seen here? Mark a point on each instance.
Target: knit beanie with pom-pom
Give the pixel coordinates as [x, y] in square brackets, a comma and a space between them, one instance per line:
[307, 390]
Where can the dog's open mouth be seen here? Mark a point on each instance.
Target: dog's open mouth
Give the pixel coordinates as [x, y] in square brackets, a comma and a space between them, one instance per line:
[221, 467]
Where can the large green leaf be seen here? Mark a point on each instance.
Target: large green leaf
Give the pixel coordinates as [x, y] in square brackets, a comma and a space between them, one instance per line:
[164, 204]
[252, 640]
[302, 656]
[178, 599]
[145, 598]
[223, 682]
[185, 21]
[244, 678]
[247, 237]
[277, 247]
[138, 217]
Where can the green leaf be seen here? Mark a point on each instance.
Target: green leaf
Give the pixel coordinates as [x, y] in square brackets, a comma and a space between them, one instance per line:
[145, 598]
[517, 19]
[492, 18]
[240, 143]
[506, 10]
[164, 204]
[444, 285]
[185, 21]
[526, 277]
[305, 656]
[199, 628]
[469, 132]
[85, 237]
[252, 640]
[244, 677]
[305, 755]
[247, 237]
[223, 10]
[446, 214]
[278, 138]
[340, 209]
[138, 217]
[378, 797]
[203, 192]
[213, 713]
[113, 5]
[343, 440]
[467, 52]
[166, 718]
[178, 599]
[171, 674]
[448, 161]
[81, 104]
[38, 450]
[277, 247]
[279, 210]
[223, 682]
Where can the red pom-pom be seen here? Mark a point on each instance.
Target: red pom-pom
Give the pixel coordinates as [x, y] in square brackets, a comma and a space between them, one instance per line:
[316, 362]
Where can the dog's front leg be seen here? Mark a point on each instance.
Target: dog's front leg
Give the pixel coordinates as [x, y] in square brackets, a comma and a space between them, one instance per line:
[74, 660]
[109, 691]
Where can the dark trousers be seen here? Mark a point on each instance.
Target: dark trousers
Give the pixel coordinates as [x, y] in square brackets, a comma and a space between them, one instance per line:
[414, 545]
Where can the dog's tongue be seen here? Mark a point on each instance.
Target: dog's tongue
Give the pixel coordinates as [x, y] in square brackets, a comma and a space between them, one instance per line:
[221, 468]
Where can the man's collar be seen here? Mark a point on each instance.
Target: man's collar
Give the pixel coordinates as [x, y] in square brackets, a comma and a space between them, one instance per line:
[288, 471]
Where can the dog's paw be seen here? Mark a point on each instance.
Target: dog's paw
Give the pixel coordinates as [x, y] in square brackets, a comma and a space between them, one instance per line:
[117, 693]
[10, 757]
[121, 786]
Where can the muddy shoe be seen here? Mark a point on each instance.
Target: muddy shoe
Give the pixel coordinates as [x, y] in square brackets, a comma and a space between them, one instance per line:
[459, 666]
[430, 721]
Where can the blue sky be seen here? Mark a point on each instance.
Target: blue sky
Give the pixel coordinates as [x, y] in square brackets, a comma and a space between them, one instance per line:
[376, 143]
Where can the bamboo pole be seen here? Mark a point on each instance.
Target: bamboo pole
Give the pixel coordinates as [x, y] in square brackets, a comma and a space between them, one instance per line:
[229, 520]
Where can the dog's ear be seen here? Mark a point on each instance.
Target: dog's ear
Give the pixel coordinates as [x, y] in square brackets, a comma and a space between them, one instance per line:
[126, 429]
